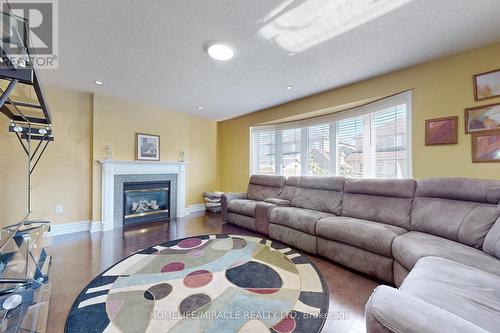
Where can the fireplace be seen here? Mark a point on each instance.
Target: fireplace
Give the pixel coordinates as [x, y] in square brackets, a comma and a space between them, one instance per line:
[146, 201]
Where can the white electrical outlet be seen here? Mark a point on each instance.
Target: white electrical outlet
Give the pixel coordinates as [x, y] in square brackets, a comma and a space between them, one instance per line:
[59, 209]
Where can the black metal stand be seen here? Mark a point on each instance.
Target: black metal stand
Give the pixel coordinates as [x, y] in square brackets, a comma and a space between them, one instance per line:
[31, 122]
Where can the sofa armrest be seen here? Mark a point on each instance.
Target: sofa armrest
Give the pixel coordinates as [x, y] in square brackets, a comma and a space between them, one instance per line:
[262, 215]
[278, 202]
[234, 195]
[392, 310]
[225, 198]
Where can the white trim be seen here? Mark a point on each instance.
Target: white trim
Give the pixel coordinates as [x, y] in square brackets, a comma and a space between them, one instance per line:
[409, 131]
[69, 228]
[195, 208]
[95, 226]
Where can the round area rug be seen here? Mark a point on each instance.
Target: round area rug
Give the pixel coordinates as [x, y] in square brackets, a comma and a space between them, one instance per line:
[212, 283]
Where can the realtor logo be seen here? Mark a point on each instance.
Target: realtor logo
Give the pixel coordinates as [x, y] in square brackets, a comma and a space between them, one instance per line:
[42, 20]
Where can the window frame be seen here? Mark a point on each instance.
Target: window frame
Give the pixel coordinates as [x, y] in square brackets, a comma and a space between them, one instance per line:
[332, 119]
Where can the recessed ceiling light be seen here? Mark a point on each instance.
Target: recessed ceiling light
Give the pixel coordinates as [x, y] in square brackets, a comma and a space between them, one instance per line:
[220, 51]
[288, 87]
[99, 83]
[199, 108]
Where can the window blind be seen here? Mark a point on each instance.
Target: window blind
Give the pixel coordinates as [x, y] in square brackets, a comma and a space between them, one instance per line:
[266, 153]
[291, 152]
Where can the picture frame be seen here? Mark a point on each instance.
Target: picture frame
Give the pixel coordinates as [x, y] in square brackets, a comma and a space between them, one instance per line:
[147, 147]
[482, 118]
[441, 131]
[486, 147]
[486, 85]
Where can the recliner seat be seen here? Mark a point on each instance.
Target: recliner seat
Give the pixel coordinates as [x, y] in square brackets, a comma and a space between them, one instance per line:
[374, 213]
[248, 209]
[314, 198]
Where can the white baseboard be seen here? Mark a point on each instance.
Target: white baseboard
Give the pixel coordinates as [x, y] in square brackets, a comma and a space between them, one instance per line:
[195, 208]
[68, 228]
[97, 226]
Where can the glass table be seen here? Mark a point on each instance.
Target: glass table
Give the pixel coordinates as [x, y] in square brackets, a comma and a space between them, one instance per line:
[24, 287]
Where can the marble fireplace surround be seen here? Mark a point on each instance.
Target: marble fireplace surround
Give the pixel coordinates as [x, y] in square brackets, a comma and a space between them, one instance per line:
[115, 173]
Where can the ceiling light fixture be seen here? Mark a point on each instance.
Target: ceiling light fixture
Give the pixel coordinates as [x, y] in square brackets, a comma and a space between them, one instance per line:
[99, 83]
[220, 51]
[288, 87]
[199, 108]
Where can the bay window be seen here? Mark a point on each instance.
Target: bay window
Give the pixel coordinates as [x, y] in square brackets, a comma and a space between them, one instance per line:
[373, 141]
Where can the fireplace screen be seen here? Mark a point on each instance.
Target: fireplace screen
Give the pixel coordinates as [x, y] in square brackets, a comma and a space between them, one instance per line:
[146, 201]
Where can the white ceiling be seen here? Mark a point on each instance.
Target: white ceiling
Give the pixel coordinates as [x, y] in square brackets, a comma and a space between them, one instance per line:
[153, 51]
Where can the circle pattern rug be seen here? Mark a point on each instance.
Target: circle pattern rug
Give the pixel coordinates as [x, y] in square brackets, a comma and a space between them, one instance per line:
[211, 283]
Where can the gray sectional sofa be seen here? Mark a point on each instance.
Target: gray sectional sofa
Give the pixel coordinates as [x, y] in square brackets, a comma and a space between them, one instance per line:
[437, 240]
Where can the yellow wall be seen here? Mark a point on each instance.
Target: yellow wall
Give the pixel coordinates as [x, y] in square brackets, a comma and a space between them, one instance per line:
[83, 125]
[63, 174]
[441, 88]
[116, 122]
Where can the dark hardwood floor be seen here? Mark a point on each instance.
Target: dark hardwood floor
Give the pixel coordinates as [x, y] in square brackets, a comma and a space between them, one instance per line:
[79, 257]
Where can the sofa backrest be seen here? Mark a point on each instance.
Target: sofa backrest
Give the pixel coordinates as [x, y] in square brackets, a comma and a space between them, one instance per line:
[289, 189]
[319, 193]
[460, 209]
[387, 201]
[261, 187]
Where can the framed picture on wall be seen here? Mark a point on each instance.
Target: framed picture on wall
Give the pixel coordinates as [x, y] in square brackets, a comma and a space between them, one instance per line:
[147, 147]
[441, 131]
[487, 85]
[482, 118]
[486, 147]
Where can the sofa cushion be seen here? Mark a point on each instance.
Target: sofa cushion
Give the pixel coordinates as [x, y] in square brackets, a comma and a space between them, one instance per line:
[297, 239]
[408, 248]
[242, 206]
[459, 209]
[464, 291]
[387, 201]
[372, 236]
[263, 186]
[297, 218]
[319, 193]
[242, 220]
[370, 263]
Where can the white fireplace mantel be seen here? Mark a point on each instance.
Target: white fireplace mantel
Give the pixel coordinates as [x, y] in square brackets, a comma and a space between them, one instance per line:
[111, 168]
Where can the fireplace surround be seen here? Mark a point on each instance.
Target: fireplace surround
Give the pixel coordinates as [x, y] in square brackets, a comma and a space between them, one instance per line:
[114, 174]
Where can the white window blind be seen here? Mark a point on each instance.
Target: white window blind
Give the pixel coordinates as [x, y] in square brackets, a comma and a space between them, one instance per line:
[265, 157]
[369, 141]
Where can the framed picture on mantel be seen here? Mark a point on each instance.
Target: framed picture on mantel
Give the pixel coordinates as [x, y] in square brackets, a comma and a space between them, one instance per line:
[147, 147]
